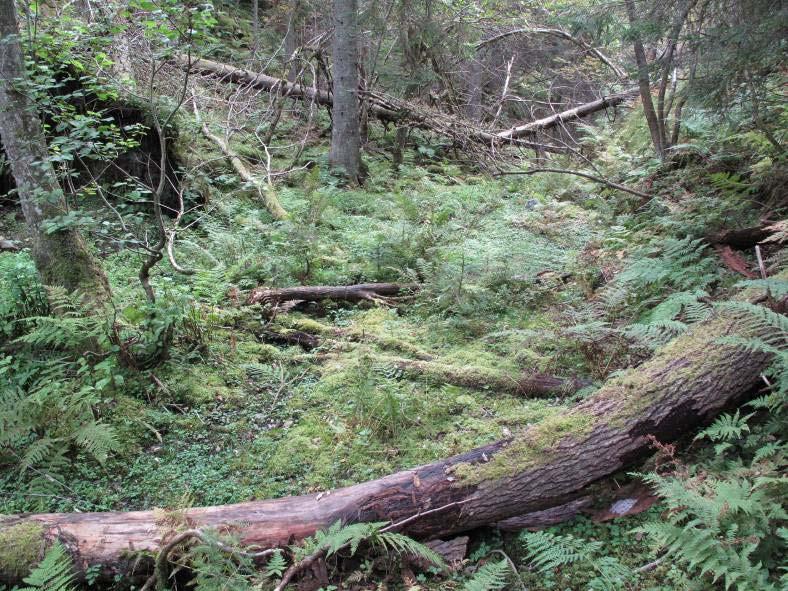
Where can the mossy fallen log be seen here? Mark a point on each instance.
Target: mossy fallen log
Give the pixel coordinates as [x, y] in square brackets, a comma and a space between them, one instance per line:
[312, 293]
[683, 387]
[534, 384]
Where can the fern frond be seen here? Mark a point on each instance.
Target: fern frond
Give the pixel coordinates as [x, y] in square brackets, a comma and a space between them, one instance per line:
[54, 572]
[402, 544]
[491, 576]
[98, 439]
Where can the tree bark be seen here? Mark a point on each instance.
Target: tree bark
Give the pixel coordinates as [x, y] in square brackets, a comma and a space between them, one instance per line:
[62, 257]
[255, 27]
[344, 153]
[313, 293]
[644, 83]
[545, 465]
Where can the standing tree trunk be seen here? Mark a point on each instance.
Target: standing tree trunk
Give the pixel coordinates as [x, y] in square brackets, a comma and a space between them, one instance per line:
[62, 257]
[473, 109]
[291, 39]
[644, 83]
[255, 27]
[345, 134]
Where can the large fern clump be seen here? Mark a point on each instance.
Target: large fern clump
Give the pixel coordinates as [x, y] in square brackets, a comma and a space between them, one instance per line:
[726, 514]
[21, 294]
[548, 551]
[50, 388]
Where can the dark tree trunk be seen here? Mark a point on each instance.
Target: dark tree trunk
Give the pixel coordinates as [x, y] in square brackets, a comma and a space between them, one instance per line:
[473, 110]
[291, 38]
[543, 466]
[741, 239]
[644, 83]
[62, 257]
[344, 153]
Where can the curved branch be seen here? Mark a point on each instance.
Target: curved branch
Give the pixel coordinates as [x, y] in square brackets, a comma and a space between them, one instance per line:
[618, 70]
[585, 175]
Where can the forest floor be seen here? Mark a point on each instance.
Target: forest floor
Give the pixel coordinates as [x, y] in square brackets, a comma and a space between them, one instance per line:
[509, 270]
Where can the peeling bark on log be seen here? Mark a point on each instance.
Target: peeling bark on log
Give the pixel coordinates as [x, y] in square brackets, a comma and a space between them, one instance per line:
[392, 110]
[313, 293]
[546, 517]
[684, 386]
[734, 261]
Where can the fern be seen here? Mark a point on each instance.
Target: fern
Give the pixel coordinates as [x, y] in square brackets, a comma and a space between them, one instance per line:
[98, 439]
[549, 551]
[338, 537]
[491, 576]
[276, 565]
[54, 572]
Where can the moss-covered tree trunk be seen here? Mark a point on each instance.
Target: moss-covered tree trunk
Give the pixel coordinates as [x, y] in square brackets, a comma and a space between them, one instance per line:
[62, 257]
[546, 465]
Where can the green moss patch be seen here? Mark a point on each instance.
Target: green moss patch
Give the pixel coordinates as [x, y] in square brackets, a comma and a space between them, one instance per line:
[531, 448]
[21, 547]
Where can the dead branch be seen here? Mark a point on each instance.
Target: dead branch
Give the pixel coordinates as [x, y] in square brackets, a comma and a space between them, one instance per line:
[585, 175]
[618, 70]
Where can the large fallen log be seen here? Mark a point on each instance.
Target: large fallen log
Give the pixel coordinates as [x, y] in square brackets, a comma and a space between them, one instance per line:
[313, 293]
[393, 110]
[684, 386]
[480, 378]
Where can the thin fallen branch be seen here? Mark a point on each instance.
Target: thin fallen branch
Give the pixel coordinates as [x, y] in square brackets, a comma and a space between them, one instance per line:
[578, 112]
[266, 194]
[585, 175]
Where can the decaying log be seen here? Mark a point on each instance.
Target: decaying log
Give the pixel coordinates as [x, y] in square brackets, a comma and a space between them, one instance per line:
[391, 110]
[684, 386]
[313, 293]
[742, 238]
[546, 517]
[480, 378]
[290, 337]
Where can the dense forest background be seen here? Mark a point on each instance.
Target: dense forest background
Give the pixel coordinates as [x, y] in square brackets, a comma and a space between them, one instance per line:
[510, 272]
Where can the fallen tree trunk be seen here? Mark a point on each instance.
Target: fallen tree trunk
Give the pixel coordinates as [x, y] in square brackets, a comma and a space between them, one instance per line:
[480, 378]
[584, 110]
[313, 293]
[684, 386]
[743, 238]
[392, 110]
